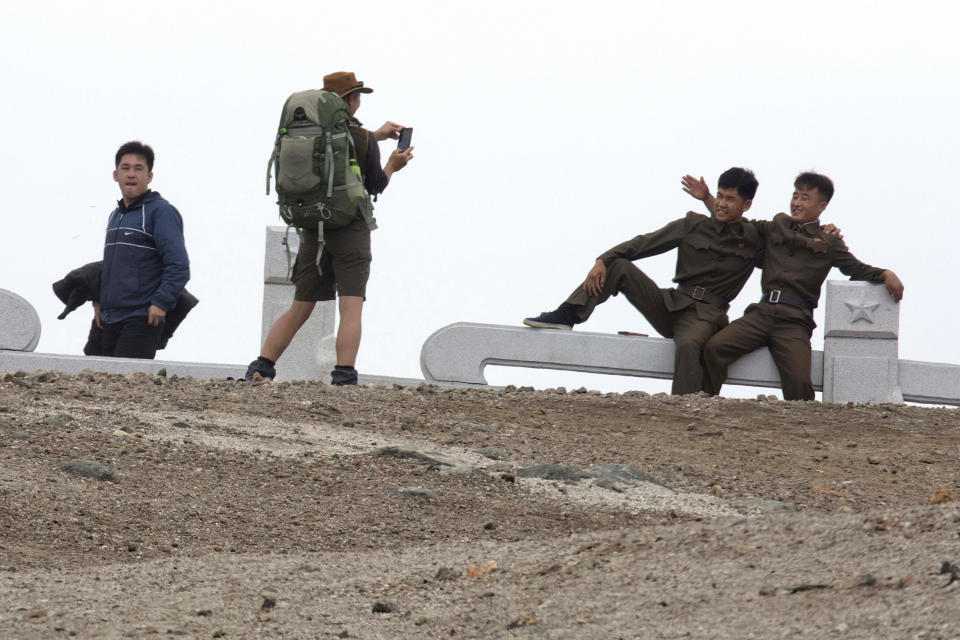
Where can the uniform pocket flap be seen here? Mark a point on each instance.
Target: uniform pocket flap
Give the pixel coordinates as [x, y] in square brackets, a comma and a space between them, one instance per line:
[698, 243]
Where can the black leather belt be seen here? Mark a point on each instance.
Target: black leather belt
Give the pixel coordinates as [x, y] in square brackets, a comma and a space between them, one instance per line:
[779, 297]
[702, 295]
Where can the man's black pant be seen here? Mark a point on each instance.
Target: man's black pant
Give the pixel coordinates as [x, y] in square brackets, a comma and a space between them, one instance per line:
[129, 338]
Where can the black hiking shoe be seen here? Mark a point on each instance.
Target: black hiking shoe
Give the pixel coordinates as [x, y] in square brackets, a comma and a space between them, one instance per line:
[343, 375]
[563, 317]
[261, 366]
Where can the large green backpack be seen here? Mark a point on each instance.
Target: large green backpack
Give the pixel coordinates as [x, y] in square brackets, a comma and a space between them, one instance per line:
[318, 180]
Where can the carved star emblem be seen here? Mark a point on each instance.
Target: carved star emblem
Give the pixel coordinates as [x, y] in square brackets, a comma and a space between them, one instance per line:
[861, 311]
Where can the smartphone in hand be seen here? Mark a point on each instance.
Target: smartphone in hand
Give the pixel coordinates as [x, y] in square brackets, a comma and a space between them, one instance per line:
[406, 134]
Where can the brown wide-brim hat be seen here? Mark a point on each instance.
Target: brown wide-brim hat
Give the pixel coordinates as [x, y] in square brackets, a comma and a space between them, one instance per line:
[343, 83]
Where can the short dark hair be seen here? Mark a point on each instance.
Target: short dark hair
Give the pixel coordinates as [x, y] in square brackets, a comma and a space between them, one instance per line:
[137, 148]
[811, 180]
[740, 179]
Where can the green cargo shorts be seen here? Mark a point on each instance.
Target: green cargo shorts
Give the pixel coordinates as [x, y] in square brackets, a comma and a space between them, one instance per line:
[345, 263]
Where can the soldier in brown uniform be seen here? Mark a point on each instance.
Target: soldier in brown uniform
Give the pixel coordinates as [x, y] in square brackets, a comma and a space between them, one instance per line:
[715, 257]
[797, 258]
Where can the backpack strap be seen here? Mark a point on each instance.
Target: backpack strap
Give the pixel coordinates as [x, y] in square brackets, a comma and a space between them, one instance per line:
[286, 246]
[272, 162]
[366, 208]
[361, 140]
[275, 156]
[320, 245]
[329, 163]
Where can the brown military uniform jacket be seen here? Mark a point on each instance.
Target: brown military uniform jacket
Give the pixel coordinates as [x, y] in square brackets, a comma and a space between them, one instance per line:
[717, 256]
[798, 259]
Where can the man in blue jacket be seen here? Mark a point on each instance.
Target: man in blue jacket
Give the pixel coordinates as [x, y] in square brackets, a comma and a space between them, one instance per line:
[145, 263]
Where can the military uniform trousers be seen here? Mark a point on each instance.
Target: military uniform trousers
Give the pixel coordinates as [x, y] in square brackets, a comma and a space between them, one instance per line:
[783, 329]
[680, 321]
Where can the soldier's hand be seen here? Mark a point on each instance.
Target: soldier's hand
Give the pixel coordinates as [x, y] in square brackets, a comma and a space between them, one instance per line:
[596, 278]
[696, 188]
[155, 315]
[389, 130]
[97, 316]
[832, 230]
[894, 286]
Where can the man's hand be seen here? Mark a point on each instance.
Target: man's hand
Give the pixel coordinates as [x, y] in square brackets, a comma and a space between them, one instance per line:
[893, 284]
[398, 160]
[389, 130]
[832, 230]
[97, 315]
[155, 315]
[595, 278]
[697, 188]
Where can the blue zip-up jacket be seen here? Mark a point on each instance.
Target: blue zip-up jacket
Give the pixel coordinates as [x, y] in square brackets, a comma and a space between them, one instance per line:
[144, 259]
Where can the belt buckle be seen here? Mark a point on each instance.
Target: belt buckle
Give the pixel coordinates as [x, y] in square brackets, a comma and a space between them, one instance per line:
[773, 297]
[698, 293]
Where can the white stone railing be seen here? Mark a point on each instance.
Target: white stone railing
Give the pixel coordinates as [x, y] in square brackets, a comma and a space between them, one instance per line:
[859, 361]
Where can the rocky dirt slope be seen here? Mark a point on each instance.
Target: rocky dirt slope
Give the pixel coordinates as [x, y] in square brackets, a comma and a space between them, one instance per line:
[138, 506]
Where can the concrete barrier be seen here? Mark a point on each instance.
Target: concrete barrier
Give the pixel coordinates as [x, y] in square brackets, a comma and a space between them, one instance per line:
[12, 361]
[458, 353]
[19, 323]
[859, 362]
[30, 362]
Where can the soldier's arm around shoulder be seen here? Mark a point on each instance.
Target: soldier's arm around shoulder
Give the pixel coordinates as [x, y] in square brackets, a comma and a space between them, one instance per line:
[755, 233]
[857, 270]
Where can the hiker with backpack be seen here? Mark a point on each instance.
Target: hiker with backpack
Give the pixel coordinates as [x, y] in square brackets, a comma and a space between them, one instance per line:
[715, 257]
[327, 166]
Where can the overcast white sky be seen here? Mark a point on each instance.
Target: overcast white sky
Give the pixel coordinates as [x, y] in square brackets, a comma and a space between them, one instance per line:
[544, 134]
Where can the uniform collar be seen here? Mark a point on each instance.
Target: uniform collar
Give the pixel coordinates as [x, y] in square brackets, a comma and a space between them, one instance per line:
[810, 228]
[735, 227]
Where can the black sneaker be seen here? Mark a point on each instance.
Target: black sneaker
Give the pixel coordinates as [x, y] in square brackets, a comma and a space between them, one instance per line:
[343, 375]
[563, 317]
[265, 369]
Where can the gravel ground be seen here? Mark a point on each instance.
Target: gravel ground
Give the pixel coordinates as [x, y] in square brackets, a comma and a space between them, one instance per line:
[141, 506]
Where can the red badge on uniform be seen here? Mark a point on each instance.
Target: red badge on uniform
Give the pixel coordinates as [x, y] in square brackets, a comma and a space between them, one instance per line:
[818, 239]
[740, 245]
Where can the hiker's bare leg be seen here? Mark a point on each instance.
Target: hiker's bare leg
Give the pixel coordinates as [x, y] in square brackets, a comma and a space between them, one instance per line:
[283, 330]
[348, 333]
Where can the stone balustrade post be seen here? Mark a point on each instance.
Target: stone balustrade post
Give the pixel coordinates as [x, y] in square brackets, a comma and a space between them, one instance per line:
[312, 354]
[19, 323]
[860, 344]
